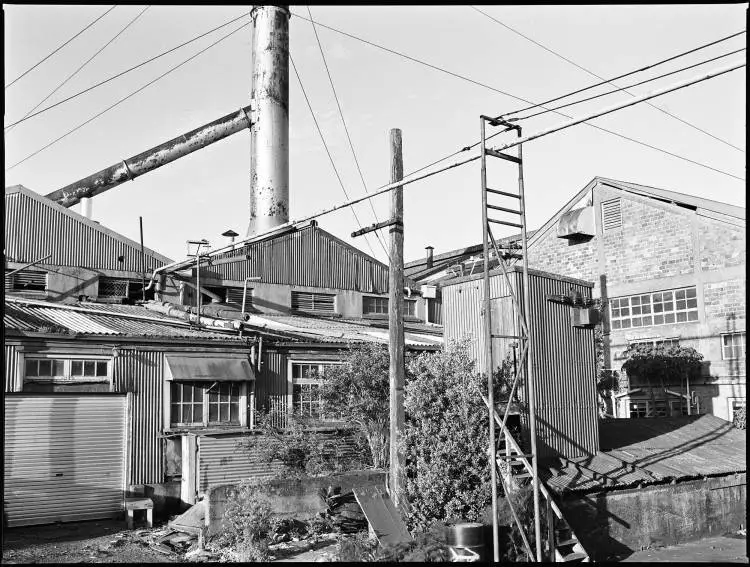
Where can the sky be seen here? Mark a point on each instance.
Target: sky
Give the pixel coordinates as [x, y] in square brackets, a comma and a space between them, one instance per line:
[207, 192]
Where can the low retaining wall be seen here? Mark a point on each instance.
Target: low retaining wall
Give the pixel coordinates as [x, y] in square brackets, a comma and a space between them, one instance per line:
[298, 497]
[622, 521]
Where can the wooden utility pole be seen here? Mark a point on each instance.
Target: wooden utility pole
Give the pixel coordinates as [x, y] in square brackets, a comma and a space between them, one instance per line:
[396, 318]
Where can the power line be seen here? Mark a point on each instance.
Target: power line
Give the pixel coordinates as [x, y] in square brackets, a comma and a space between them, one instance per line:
[128, 96]
[612, 132]
[680, 70]
[59, 48]
[320, 132]
[609, 81]
[343, 121]
[133, 68]
[74, 73]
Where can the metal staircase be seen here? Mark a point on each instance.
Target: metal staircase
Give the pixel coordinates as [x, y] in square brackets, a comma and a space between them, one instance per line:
[516, 468]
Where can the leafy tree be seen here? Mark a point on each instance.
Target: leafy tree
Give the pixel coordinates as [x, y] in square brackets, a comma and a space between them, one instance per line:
[446, 438]
[607, 380]
[358, 391]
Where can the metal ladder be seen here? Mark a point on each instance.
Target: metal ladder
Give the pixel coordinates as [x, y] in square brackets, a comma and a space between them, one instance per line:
[516, 466]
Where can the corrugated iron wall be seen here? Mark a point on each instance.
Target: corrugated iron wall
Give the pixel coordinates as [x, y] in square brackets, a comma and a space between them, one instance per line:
[34, 229]
[141, 372]
[309, 257]
[563, 356]
[224, 459]
[271, 384]
[11, 367]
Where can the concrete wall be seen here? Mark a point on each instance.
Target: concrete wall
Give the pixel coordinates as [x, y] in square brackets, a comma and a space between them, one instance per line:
[662, 246]
[298, 497]
[623, 521]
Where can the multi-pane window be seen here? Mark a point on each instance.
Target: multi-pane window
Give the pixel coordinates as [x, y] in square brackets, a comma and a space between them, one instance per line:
[379, 305]
[666, 343]
[639, 408]
[306, 388]
[374, 305]
[660, 308]
[26, 281]
[66, 374]
[733, 345]
[205, 403]
[313, 302]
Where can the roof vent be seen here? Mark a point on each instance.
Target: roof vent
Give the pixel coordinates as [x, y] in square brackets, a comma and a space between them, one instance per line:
[577, 224]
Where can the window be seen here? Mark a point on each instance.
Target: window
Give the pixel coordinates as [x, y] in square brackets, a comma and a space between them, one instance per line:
[235, 294]
[657, 342]
[733, 345]
[379, 306]
[66, 374]
[204, 403]
[122, 288]
[660, 408]
[306, 383]
[26, 281]
[638, 408]
[374, 305]
[661, 308]
[313, 302]
[611, 215]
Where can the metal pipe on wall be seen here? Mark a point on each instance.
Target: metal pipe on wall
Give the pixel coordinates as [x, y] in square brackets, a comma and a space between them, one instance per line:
[269, 161]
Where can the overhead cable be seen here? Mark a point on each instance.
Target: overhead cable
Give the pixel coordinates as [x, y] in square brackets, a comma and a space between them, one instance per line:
[325, 145]
[74, 73]
[680, 70]
[133, 68]
[27, 71]
[600, 128]
[128, 96]
[343, 121]
[662, 110]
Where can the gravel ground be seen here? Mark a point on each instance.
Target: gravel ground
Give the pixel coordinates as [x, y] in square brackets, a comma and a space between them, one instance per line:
[102, 541]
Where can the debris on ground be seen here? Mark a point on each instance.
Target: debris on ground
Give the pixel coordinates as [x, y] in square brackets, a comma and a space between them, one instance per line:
[343, 511]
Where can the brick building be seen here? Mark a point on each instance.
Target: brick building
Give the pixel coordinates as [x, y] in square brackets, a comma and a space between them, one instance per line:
[670, 268]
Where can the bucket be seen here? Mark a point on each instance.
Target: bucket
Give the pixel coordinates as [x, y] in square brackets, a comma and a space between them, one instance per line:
[471, 536]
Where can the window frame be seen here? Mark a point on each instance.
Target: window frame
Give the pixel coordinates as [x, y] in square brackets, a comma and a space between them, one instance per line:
[379, 300]
[246, 403]
[205, 401]
[646, 306]
[730, 406]
[291, 381]
[67, 377]
[743, 344]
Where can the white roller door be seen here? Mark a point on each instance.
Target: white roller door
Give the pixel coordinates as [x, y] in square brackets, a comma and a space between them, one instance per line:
[64, 457]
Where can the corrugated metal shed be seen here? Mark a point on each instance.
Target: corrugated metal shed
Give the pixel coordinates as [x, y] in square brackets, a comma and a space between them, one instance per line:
[36, 226]
[635, 451]
[52, 318]
[309, 257]
[562, 356]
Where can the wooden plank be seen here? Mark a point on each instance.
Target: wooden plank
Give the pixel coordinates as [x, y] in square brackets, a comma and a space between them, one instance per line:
[382, 515]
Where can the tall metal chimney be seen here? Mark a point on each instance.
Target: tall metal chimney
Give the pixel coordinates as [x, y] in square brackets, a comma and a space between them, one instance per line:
[429, 255]
[269, 162]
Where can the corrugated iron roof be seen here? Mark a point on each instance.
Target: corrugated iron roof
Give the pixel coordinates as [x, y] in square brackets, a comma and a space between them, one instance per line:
[338, 330]
[634, 451]
[56, 319]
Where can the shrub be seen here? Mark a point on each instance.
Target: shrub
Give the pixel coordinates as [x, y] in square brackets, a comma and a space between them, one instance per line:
[446, 436]
[740, 418]
[247, 523]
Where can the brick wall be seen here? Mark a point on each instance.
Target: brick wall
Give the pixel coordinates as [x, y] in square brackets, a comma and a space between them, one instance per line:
[725, 300]
[721, 245]
[652, 243]
[559, 256]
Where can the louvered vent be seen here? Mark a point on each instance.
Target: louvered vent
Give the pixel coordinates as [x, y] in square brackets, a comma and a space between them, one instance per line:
[611, 215]
[26, 281]
[313, 302]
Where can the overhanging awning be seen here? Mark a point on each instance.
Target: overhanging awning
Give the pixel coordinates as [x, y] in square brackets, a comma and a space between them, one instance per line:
[203, 369]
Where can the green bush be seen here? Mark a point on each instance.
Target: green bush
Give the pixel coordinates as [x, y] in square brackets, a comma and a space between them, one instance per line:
[740, 418]
[247, 523]
[446, 437]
